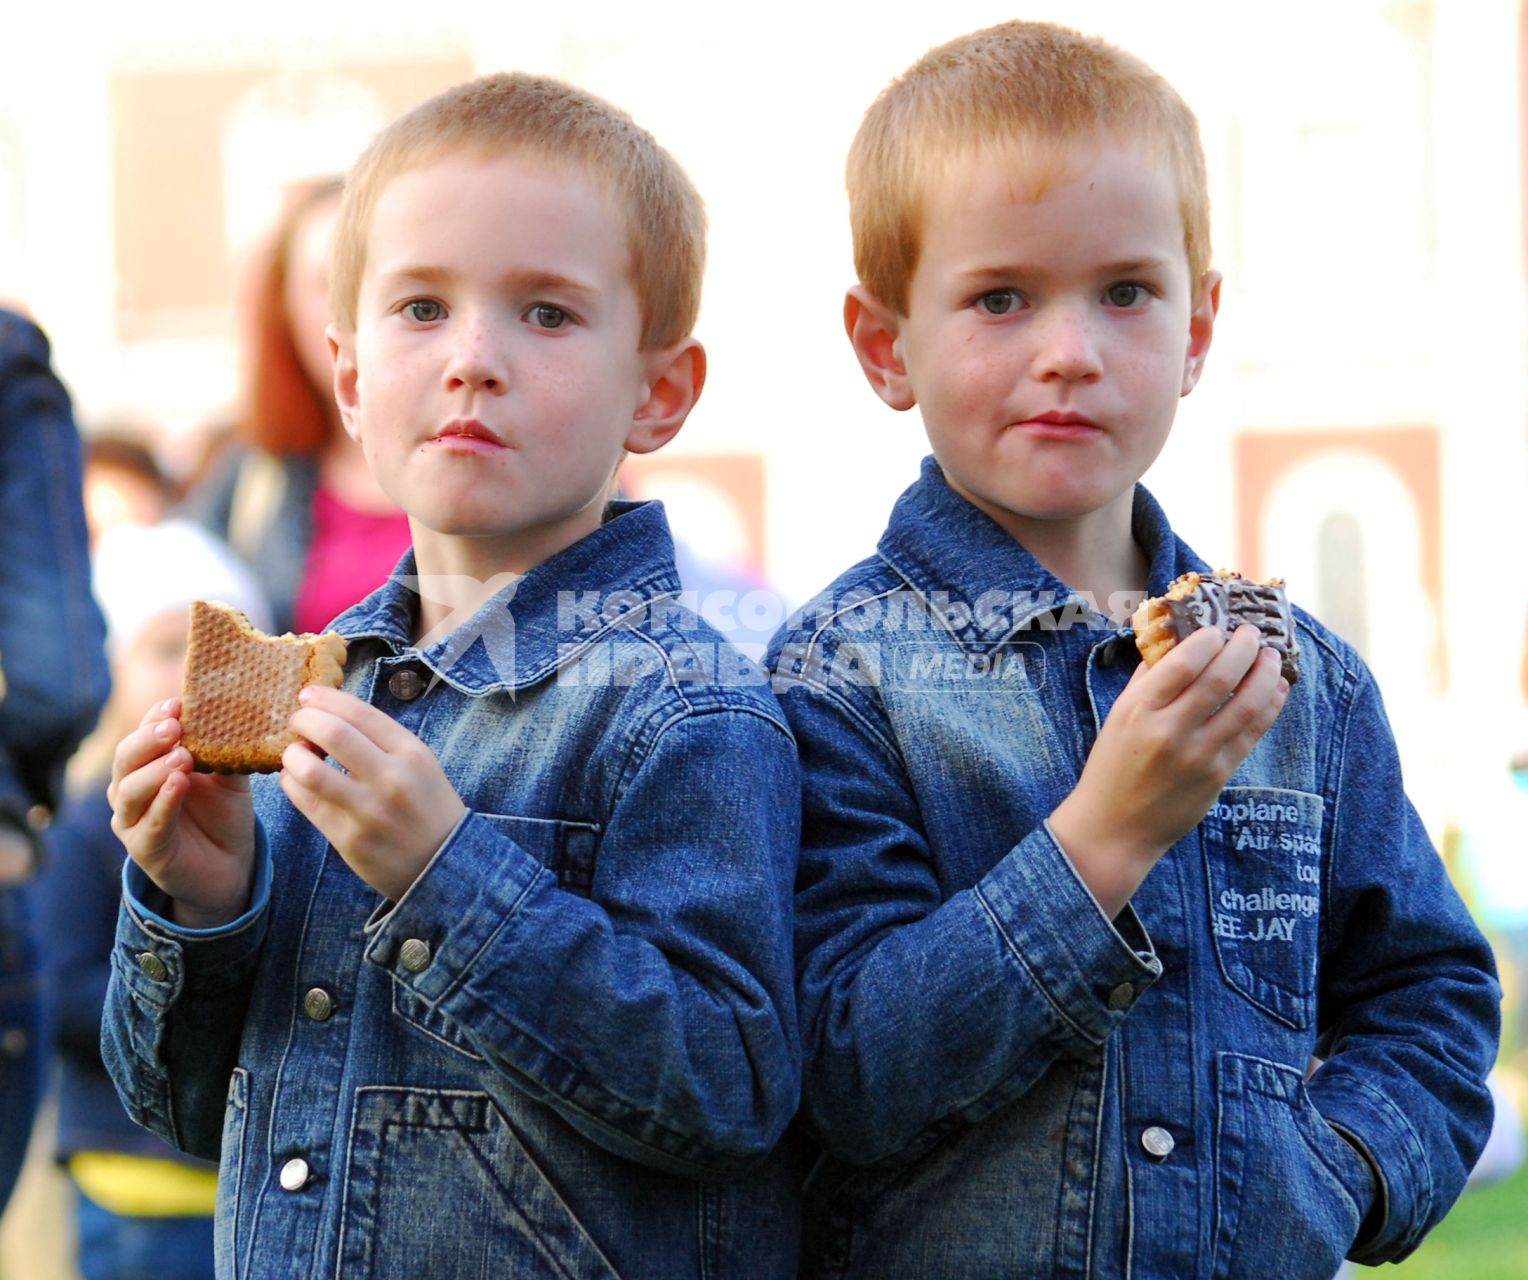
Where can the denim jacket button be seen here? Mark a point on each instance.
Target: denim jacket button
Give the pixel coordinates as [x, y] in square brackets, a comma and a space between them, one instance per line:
[414, 955]
[1158, 1142]
[318, 1004]
[405, 685]
[152, 967]
[294, 1174]
[1121, 996]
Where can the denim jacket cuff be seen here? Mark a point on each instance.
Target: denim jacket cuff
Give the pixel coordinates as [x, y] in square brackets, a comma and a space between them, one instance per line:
[1094, 970]
[1400, 1206]
[453, 909]
[159, 958]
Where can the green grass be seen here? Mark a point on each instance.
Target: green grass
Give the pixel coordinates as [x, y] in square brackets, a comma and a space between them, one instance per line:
[1485, 1237]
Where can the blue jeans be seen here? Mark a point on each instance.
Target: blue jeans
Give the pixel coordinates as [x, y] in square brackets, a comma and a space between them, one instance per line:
[117, 1247]
[20, 1034]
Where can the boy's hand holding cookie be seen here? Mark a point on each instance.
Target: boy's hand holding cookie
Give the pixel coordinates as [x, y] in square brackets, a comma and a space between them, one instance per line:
[390, 810]
[1177, 733]
[193, 834]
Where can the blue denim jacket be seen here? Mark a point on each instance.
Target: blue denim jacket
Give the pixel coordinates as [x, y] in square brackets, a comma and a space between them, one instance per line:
[51, 634]
[53, 661]
[1006, 1083]
[557, 1052]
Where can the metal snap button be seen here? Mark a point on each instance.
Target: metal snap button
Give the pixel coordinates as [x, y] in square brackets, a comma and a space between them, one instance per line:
[152, 967]
[14, 1042]
[1158, 1142]
[318, 1004]
[414, 955]
[1121, 996]
[294, 1174]
[406, 684]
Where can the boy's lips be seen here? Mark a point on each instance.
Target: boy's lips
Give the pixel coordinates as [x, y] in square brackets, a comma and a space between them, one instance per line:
[467, 434]
[1056, 425]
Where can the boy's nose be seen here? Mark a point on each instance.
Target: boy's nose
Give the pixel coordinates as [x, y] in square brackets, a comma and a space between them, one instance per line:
[477, 361]
[1068, 346]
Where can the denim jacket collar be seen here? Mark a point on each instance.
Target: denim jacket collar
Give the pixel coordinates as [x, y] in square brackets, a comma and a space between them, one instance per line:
[958, 560]
[540, 622]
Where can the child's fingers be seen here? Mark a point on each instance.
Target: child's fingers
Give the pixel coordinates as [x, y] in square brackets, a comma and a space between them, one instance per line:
[339, 737]
[1250, 712]
[151, 740]
[169, 709]
[1220, 676]
[1165, 683]
[310, 785]
[131, 793]
[148, 799]
[376, 726]
[319, 779]
[152, 828]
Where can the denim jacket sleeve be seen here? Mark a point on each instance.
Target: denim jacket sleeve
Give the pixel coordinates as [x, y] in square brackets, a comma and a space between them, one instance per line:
[175, 1007]
[51, 632]
[922, 1011]
[1409, 1004]
[655, 1015]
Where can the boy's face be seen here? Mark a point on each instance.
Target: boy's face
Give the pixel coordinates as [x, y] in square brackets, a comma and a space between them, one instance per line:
[1048, 339]
[494, 377]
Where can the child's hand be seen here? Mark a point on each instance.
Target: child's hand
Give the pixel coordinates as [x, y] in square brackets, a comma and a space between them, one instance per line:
[1174, 738]
[393, 808]
[192, 833]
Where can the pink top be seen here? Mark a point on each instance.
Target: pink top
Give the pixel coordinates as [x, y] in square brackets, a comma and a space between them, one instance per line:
[351, 555]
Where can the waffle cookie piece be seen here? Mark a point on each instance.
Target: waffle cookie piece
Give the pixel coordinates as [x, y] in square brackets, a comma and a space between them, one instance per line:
[1225, 600]
[241, 688]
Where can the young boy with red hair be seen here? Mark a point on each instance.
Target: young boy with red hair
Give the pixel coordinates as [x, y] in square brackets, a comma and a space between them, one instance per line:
[508, 991]
[1070, 929]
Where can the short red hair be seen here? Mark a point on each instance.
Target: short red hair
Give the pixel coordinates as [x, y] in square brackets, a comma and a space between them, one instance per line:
[514, 113]
[1017, 95]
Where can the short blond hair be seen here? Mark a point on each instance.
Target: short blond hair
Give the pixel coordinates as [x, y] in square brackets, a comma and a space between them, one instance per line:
[1018, 86]
[520, 114]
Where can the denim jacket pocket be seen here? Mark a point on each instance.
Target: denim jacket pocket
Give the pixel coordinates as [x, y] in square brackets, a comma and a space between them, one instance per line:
[567, 850]
[1262, 860]
[233, 1159]
[1281, 1205]
[425, 1169]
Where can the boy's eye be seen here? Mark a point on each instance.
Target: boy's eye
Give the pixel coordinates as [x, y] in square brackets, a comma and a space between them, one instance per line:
[424, 310]
[1125, 295]
[547, 316]
[999, 302]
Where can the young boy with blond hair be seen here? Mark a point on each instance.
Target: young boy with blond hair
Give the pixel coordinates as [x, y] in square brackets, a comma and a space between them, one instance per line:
[1071, 929]
[503, 986]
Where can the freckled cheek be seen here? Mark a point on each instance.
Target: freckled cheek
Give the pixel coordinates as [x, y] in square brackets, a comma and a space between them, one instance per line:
[1152, 376]
[981, 382]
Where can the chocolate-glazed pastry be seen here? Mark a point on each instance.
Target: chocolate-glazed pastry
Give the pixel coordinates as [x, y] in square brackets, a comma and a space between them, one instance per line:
[1226, 600]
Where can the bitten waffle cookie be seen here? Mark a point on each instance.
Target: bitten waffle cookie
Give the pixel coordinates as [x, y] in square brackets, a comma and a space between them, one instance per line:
[241, 688]
[1225, 601]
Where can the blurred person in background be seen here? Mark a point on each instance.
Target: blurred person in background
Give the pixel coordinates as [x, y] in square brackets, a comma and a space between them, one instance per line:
[124, 483]
[143, 1210]
[52, 682]
[292, 494]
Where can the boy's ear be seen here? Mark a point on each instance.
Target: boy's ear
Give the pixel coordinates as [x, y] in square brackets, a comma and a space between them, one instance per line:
[874, 330]
[1201, 328]
[676, 374]
[346, 377]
